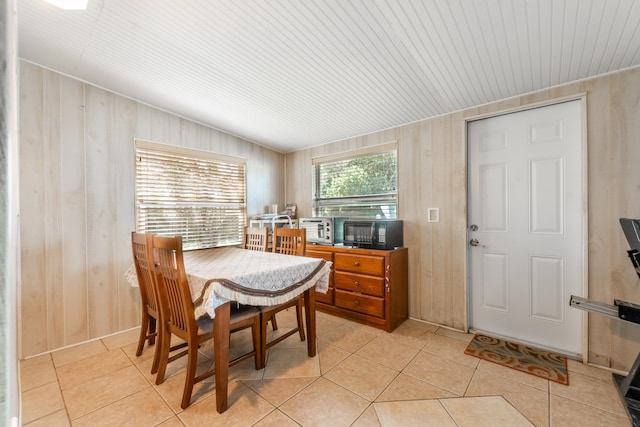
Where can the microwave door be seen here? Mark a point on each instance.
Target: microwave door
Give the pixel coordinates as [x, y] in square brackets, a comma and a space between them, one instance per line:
[314, 229]
[371, 236]
[319, 228]
[376, 230]
[367, 235]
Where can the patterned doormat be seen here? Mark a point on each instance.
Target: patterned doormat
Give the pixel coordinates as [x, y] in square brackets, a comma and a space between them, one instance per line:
[541, 363]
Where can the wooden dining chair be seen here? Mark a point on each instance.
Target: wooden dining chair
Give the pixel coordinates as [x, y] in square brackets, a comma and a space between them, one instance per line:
[176, 305]
[150, 323]
[287, 241]
[256, 238]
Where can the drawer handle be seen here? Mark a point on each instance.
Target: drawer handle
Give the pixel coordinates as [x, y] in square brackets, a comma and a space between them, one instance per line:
[356, 302]
[357, 263]
[357, 284]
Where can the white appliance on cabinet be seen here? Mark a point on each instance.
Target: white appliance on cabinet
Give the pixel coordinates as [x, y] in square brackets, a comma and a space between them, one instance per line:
[272, 221]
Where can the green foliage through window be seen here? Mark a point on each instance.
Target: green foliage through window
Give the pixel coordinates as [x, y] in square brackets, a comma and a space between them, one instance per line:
[363, 186]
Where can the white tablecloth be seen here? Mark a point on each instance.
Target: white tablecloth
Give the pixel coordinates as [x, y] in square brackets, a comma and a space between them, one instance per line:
[249, 277]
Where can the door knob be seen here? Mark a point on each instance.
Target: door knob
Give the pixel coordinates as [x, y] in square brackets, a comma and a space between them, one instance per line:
[473, 227]
[474, 242]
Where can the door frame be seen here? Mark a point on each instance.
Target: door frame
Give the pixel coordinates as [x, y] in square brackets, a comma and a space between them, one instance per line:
[582, 96]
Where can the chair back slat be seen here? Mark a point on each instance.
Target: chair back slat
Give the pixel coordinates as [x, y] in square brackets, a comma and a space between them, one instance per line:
[290, 241]
[175, 296]
[141, 246]
[256, 238]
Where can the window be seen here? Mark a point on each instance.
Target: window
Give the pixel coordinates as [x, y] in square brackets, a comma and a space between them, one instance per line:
[198, 195]
[363, 183]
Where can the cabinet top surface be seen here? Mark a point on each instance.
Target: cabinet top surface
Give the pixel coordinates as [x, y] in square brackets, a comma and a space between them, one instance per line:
[351, 250]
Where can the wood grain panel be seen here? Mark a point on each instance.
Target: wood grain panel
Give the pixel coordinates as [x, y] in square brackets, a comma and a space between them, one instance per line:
[33, 309]
[425, 248]
[74, 211]
[52, 207]
[458, 230]
[102, 198]
[409, 201]
[125, 114]
[600, 214]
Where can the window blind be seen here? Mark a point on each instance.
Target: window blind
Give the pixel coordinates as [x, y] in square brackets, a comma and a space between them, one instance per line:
[198, 195]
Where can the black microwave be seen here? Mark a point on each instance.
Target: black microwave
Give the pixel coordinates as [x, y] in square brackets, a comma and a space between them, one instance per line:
[374, 234]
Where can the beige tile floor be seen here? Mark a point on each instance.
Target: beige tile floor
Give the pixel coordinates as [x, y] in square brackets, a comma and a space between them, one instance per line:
[417, 375]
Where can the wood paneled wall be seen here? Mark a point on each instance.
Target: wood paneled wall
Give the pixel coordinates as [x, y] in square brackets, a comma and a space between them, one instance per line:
[432, 173]
[77, 202]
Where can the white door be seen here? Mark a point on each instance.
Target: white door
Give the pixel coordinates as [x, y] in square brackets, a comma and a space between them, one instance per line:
[526, 225]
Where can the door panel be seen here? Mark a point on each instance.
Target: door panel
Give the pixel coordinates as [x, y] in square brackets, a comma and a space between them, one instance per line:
[546, 196]
[494, 206]
[495, 268]
[525, 197]
[547, 278]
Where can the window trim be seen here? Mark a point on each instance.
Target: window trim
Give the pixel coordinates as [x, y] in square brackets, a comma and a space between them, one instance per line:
[358, 152]
[347, 155]
[188, 152]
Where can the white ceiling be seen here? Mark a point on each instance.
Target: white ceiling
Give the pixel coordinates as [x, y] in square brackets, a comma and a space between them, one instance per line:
[290, 74]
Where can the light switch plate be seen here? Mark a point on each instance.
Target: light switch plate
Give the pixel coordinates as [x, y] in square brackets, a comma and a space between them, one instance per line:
[433, 214]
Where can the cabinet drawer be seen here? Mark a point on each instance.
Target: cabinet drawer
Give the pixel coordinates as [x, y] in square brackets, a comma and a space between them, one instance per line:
[359, 283]
[325, 298]
[363, 264]
[328, 256]
[366, 304]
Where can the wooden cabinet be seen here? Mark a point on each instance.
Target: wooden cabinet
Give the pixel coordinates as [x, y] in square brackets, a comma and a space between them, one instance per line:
[368, 286]
[320, 297]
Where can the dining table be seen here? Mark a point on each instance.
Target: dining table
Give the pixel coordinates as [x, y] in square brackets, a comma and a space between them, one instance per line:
[223, 276]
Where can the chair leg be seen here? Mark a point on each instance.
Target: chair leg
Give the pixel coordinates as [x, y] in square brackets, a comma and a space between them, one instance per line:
[257, 342]
[152, 330]
[160, 345]
[192, 364]
[158, 349]
[263, 340]
[163, 358]
[144, 325]
[274, 324]
[300, 321]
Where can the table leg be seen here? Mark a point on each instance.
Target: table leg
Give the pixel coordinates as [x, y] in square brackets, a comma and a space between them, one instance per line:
[310, 317]
[221, 354]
